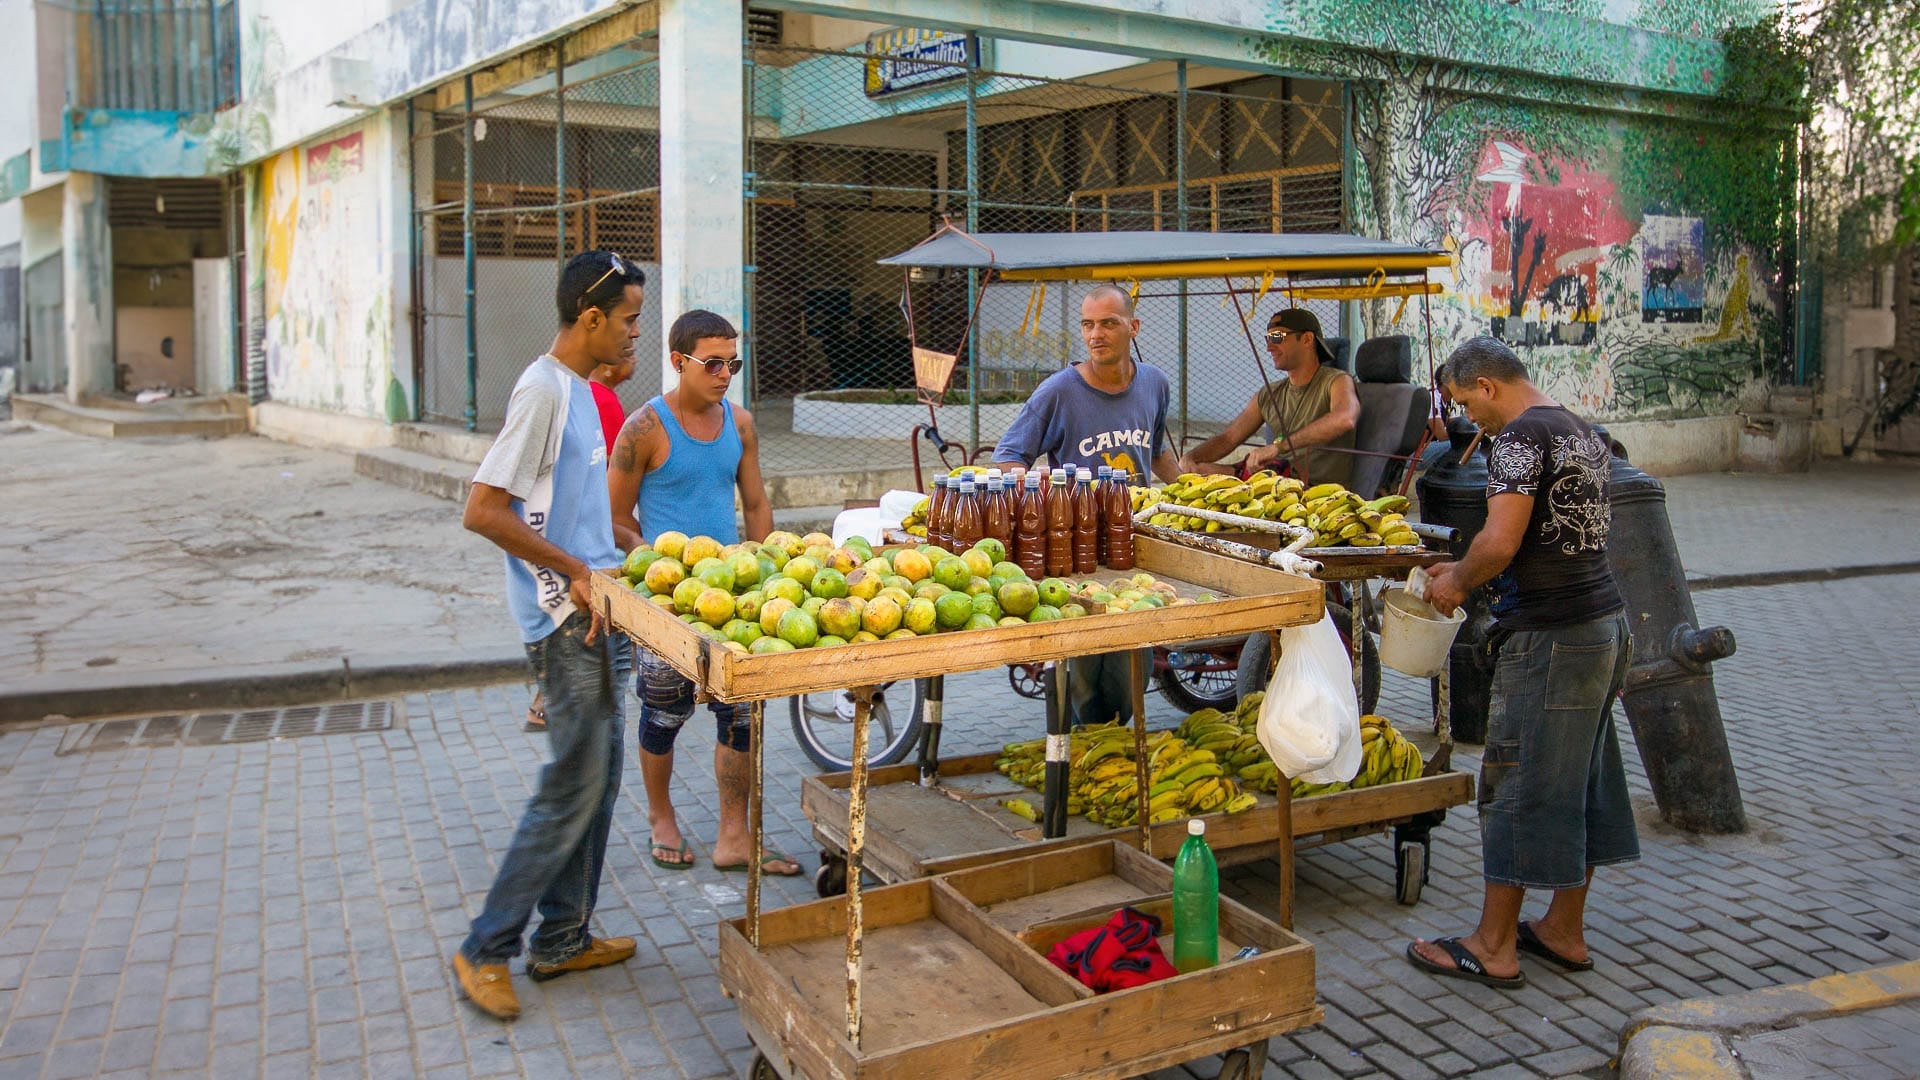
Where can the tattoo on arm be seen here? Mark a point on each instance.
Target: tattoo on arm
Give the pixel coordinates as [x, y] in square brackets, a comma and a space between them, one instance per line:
[626, 449]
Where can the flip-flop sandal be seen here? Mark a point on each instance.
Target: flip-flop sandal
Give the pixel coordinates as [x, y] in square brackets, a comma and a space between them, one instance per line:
[1467, 966]
[654, 850]
[536, 720]
[769, 857]
[1530, 943]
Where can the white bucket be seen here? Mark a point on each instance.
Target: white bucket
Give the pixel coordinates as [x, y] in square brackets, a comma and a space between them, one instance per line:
[1414, 638]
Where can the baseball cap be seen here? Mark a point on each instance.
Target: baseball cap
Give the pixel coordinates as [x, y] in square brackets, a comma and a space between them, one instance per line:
[1300, 319]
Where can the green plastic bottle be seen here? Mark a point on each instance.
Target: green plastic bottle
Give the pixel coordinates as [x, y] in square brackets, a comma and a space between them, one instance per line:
[1196, 902]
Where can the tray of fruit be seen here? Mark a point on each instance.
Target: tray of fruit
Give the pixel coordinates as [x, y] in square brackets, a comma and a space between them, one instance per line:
[1348, 531]
[795, 615]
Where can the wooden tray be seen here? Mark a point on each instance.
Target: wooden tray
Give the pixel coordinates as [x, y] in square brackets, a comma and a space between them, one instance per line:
[1255, 598]
[916, 832]
[955, 981]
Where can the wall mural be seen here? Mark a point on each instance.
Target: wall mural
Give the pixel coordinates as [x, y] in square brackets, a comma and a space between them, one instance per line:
[320, 216]
[1622, 246]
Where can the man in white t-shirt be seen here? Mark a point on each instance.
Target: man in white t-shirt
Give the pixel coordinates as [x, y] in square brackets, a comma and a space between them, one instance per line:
[541, 497]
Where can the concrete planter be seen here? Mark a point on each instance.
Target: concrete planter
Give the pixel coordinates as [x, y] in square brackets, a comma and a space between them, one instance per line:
[827, 412]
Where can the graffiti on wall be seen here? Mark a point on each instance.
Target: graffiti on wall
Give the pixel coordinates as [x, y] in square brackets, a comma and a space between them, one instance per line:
[320, 214]
[1622, 248]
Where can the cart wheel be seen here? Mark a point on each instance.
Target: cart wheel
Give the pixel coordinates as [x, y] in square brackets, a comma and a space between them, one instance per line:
[1028, 680]
[831, 879]
[761, 1069]
[1409, 871]
[1240, 1064]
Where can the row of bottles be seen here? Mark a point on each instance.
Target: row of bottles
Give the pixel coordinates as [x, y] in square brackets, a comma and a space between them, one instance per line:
[1052, 524]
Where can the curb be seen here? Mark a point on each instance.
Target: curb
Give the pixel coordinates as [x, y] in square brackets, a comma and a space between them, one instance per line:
[88, 694]
[1690, 1038]
[1799, 577]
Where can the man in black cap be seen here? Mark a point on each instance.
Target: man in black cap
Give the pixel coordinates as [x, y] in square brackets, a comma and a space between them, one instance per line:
[1314, 406]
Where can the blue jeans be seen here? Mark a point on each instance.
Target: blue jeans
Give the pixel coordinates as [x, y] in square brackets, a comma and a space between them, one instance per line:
[1553, 790]
[560, 846]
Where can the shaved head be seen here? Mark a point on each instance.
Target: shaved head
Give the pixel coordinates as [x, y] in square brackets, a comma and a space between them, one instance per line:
[1115, 293]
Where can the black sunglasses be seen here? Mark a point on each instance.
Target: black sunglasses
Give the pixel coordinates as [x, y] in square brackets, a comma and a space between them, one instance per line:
[716, 365]
[1280, 334]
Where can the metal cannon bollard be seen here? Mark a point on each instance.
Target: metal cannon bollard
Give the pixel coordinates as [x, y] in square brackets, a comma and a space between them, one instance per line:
[1669, 696]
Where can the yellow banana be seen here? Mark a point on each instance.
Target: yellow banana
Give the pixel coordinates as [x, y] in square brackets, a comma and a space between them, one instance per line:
[1021, 807]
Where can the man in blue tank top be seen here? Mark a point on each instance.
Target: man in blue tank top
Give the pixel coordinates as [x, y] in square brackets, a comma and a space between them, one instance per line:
[675, 467]
[541, 497]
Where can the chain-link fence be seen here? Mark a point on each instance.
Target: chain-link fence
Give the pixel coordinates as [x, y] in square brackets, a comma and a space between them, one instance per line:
[840, 177]
[507, 188]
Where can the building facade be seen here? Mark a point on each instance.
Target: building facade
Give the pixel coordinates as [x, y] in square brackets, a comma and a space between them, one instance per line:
[391, 186]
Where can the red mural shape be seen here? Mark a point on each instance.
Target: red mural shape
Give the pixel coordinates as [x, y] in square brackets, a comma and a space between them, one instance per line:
[1545, 241]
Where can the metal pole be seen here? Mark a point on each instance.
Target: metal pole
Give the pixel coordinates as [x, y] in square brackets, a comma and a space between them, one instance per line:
[1180, 213]
[560, 150]
[416, 317]
[1053, 798]
[236, 251]
[213, 51]
[973, 276]
[1142, 775]
[1349, 310]
[466, 231]
[756, 723]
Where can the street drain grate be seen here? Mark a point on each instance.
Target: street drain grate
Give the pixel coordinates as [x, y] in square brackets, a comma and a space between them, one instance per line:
[220, 728]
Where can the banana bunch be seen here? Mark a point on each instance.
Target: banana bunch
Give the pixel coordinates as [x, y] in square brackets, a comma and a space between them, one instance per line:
[1103, 778]
[916, 520]
[1387, 757]
[1336, 516]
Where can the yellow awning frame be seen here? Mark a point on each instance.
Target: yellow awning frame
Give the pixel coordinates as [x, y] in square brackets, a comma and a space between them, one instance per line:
[1384, 290]
[1213, 268]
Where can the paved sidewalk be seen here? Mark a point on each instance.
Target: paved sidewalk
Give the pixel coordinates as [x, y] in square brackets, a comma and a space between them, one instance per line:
[286, 908]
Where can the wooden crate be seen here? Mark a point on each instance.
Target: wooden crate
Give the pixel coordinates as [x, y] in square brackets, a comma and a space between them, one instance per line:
[915, 832]
[1255, 598]
[955, 982]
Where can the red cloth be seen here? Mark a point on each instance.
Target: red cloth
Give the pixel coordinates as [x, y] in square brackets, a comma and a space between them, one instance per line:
[1123, 953]
[611, 414]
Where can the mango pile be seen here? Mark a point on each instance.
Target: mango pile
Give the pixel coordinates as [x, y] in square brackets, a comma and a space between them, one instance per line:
[1337, 516]
[798, 592]
[1211, 763]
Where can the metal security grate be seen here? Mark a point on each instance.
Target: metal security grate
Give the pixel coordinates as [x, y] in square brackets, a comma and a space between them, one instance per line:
[217, 728]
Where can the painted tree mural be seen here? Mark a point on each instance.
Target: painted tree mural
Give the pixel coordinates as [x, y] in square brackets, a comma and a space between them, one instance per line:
[1541, 186]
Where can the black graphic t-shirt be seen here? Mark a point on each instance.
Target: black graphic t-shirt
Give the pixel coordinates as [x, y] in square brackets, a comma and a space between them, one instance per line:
[1560, 575]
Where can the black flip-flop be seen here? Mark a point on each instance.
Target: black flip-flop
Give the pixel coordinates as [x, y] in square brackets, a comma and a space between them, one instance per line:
[1467, 966]
[1530, 943]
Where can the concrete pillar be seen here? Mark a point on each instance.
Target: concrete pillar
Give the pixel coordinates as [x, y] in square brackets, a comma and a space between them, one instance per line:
[703, 156]
[87, 272]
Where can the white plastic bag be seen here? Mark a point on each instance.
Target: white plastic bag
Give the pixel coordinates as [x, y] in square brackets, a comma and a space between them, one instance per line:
[1310, 719]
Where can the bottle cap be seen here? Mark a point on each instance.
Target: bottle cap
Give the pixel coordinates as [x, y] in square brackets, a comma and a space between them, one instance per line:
[1033, 480]
[1196, 827]
[966, 484]
[1104, 471]
[1085, 475]
[1059, 476]
[992, 475]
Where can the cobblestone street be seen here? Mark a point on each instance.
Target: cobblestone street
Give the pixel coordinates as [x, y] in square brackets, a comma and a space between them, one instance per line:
[288, 906]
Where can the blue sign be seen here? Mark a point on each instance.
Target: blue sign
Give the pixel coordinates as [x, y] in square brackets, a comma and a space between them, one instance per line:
[910, 58]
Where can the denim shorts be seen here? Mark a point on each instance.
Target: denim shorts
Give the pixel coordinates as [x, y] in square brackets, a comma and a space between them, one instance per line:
[1553, 791]
[666, 703]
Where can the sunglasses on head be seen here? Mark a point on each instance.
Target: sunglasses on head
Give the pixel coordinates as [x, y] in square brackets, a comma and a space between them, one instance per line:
[716, 365]
[615, 265]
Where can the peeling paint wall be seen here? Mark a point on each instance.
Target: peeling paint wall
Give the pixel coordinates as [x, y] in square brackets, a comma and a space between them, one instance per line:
[322, 243]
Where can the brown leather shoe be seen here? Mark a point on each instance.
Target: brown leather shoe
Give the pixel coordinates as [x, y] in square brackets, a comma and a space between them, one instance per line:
[599, 953]
[488, 986]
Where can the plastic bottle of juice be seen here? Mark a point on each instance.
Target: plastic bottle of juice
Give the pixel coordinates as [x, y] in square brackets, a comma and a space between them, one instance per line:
[1059, 525]
[999, 512]
[1116, 523]
[1196, 902]
[937, 511]
[1030, 529]
[1086, 524]
[967, 521]
[1102, 478]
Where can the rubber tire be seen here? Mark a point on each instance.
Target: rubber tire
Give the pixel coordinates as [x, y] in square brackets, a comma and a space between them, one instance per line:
[830, 880]
[1189, 701]
[1254, 655]
[762, 1069]
[904, 740]
[1237, 1064]
[1409, 872]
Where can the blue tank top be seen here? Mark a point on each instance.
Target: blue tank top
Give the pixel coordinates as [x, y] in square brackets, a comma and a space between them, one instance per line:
[693, 492]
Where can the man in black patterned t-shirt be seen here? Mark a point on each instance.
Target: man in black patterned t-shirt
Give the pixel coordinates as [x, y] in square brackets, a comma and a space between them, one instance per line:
[1553, 791]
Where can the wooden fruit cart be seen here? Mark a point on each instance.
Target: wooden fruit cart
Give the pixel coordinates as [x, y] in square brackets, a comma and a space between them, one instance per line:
[774, 950]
